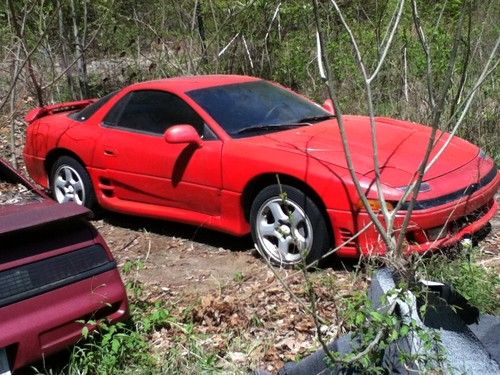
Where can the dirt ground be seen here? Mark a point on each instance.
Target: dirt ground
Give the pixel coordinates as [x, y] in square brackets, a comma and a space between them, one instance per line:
[190, 262]
[186, 261]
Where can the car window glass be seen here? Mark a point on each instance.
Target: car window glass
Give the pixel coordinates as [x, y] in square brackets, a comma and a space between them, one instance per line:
[89, 110]
[152, 112]
[258, 103]
[114, 114]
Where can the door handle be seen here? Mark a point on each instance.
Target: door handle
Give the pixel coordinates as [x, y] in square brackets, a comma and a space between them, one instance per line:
[109, 152]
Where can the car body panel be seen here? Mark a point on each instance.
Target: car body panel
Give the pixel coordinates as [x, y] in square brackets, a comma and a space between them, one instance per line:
[174, 175]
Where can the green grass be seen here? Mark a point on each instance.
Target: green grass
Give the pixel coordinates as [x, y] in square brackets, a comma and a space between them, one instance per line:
[153, 341]
[480, 285]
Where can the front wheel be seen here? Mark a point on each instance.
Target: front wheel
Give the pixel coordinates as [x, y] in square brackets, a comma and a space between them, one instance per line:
[288, 227]
[70, 182]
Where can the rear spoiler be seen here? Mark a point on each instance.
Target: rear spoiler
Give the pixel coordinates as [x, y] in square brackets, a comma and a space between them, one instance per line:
[38, 216]
[54, 108]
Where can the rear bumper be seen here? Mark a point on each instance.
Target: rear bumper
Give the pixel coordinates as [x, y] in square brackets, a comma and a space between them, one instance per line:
[47, 323]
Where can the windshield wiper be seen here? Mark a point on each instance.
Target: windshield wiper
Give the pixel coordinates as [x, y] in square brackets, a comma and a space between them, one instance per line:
[257, 128]
[316, 118]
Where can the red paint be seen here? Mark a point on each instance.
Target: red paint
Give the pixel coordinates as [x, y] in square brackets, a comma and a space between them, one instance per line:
[205, 182]
[182, 134]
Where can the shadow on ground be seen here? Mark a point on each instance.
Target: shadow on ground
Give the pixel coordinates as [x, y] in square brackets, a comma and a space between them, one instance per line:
[175, 229]
[205, 236]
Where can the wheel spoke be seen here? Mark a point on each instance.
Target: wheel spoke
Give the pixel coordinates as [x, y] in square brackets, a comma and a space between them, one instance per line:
[59, 182]
[296, 218]
[78, 186]
[77, 199]
[284, 246]
[67, 174]
[300, 240]
[277, 211]
[60, 188]
[267, 229]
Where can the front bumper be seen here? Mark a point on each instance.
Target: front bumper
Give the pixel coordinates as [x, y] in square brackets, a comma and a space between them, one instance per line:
[429, 229]
[449, 235]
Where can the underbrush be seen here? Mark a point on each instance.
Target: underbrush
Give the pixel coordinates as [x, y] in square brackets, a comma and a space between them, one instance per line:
[152, 341]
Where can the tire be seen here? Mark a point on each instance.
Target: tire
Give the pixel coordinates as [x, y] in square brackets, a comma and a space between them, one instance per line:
[70, 182]
[288, 228]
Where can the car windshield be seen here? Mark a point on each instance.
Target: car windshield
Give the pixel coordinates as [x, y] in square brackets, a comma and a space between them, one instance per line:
[257, 107]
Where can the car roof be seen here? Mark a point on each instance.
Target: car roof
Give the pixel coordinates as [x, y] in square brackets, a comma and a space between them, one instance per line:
[188, 83]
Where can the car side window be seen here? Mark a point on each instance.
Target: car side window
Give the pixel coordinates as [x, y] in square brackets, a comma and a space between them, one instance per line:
[153, 112]
[89, 111]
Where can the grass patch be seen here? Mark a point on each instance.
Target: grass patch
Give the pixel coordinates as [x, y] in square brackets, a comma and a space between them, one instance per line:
[159, 338]
[153, 341]
[480, 285]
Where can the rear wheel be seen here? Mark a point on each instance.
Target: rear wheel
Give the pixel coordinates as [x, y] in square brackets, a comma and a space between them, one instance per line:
[288, 227]
[70, 182]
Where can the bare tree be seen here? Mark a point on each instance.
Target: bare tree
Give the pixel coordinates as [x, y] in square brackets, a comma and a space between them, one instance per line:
[384, 220]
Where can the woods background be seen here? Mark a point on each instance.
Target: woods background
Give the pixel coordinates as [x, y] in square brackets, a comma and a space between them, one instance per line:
[62, 50]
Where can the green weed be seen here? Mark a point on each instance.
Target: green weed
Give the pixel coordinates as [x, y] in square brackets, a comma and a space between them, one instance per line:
[480, 285]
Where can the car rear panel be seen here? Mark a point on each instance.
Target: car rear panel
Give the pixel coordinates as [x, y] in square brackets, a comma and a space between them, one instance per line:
[40, 325]
[46, 290]
[52, 276]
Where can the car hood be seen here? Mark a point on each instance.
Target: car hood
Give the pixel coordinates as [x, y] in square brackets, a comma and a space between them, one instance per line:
[401, 147]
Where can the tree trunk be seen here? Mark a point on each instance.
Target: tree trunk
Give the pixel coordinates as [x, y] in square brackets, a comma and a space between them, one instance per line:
[31, 71]
[79, 51]
[64, 51]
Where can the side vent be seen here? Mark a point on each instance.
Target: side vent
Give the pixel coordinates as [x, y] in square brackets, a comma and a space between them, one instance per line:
[106, 186]
[346, 235]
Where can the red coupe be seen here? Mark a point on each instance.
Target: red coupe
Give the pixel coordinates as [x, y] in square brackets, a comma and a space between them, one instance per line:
[218, 151]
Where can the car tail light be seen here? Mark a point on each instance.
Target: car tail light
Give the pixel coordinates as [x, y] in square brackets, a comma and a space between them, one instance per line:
[32, 279]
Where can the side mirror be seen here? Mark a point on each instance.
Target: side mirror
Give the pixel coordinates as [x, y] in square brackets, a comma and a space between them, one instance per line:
[328, 105]
[182, 134]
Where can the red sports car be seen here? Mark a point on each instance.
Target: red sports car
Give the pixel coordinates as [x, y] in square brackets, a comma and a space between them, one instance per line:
[219, 150]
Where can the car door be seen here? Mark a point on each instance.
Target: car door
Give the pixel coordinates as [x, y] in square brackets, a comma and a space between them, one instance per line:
[137, 164]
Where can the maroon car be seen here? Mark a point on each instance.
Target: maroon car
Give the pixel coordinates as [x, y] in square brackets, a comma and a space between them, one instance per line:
[55, 272]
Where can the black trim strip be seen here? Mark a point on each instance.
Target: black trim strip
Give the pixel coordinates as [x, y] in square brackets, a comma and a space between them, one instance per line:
[30, 280]
[467, 191]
